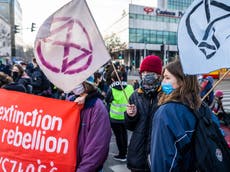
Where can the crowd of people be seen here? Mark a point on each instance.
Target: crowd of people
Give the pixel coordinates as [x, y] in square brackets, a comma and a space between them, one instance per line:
[156, 108]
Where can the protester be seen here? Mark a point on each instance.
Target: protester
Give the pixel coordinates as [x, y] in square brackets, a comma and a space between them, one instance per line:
[40, 83]
[124, 72]
[218, 109]
[107, 73]
[136, 84]
[206, 84]
[138, 117]
[117, 103]
[95, 131]
[2, 66]
[20, 76]
[100, 83]
[7, 82]
[5, 79]
[16, 72]
[174, 122]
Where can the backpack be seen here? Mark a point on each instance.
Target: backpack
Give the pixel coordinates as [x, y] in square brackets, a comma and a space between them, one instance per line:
[210, 148]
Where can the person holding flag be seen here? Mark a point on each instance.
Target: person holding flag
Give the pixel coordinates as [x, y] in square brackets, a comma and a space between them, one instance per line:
[69, 48]
[95, 131]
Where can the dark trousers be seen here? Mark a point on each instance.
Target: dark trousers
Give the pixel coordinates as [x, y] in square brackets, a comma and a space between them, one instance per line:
[120, 133]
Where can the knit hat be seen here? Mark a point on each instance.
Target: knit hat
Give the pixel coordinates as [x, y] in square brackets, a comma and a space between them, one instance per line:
[219, 93]
[151, 64]
[90, 80]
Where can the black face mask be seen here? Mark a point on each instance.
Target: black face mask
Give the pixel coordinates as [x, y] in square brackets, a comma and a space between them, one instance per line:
[15, 76]
[149, 79]
[150, 83]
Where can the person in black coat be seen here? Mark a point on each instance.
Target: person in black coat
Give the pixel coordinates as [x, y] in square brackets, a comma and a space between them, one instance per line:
[7, 82]
[139, 114]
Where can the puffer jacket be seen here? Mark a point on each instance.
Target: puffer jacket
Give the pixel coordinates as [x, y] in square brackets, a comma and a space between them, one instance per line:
[138, 149]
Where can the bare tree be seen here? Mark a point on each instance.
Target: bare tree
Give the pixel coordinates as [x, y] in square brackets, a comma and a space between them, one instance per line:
[114, 44]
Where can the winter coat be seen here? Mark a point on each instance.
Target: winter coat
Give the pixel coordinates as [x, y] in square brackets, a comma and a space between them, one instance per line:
[94, 136]
[173, 126]
[138, 149]
[39, 81]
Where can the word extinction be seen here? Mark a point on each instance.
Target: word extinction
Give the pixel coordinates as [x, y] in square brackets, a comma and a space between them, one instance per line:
[33, 130]
[34, 118]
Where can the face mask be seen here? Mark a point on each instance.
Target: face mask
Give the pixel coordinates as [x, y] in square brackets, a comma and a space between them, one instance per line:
[149, 79]
[150, 83]
[78, 90]
[167, 88]
[15, 75]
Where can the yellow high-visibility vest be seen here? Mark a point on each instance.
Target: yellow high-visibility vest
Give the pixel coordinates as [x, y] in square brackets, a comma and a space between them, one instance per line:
[119, 104]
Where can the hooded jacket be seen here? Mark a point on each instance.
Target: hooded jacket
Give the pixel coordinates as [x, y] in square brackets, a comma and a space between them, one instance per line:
[94, 135]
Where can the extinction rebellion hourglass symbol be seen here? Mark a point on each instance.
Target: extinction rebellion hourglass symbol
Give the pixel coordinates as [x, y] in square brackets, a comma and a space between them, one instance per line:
[68, 65]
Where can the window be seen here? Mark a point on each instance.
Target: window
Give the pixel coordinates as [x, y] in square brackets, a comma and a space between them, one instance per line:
[179, 4]
[153, 18]
[152, 36]
[140, 16]
[132, 16]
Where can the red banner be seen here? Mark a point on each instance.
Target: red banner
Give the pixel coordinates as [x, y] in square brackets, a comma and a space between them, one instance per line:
[37, 133]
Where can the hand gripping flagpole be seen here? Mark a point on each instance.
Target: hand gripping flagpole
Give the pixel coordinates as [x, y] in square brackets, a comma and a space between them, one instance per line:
[214, 86]
[119, 79]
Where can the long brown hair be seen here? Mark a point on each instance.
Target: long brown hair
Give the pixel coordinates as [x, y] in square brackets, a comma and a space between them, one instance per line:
[188, 91]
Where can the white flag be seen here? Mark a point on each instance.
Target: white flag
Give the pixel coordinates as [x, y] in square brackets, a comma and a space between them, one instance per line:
[69, 47]
[204, 36]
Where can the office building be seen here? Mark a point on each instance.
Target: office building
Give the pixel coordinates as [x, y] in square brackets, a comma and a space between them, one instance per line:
[174, 4]
[11, 12]
[150, 30]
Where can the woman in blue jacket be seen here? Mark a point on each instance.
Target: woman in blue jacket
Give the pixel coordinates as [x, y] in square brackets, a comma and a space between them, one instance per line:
[173, 123]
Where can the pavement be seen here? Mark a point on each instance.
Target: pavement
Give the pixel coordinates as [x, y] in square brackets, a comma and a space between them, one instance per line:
[112, 165]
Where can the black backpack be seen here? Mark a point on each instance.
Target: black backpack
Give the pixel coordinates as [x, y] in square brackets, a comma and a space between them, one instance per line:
[211, 151]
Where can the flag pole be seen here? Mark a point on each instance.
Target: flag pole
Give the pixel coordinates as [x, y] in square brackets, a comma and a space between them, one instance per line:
[214, 86]
[119, 79]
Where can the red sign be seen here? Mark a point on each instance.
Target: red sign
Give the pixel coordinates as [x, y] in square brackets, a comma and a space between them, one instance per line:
[37, 133]
[148, 10]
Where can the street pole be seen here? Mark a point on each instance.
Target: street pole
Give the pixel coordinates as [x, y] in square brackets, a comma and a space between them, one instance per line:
[135, 58]
[165, 58]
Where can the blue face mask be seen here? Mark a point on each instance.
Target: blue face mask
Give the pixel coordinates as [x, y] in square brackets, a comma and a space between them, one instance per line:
[167, 88]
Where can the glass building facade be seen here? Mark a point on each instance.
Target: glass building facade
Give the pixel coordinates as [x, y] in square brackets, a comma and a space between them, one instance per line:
[11, 11]
[174, 4]
[150, 36]
[153, 18]
[178, 4]
[5, 10]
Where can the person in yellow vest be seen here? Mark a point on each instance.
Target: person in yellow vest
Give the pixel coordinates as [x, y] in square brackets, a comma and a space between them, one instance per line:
[117, 104]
